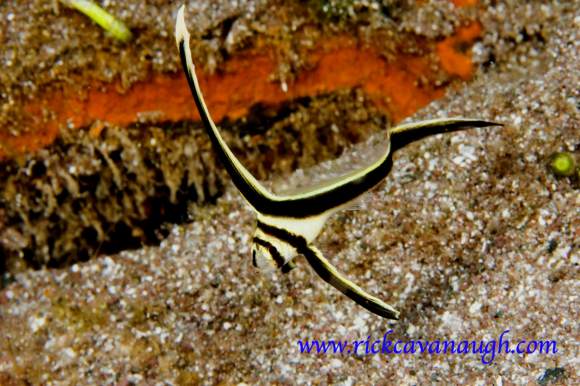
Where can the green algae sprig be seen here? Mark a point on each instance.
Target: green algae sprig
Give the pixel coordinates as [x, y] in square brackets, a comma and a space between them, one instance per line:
[108, 22]
[562, 164]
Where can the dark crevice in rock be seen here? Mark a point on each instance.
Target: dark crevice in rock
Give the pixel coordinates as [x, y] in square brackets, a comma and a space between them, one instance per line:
[101, 190]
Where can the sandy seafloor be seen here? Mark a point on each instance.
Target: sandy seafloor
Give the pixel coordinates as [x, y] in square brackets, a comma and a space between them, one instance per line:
[470, 236]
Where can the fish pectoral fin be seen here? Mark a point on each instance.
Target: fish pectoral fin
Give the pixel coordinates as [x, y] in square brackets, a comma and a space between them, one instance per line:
[329, 274]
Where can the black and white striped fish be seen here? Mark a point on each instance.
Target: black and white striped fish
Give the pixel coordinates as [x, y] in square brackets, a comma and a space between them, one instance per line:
[288, 224]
